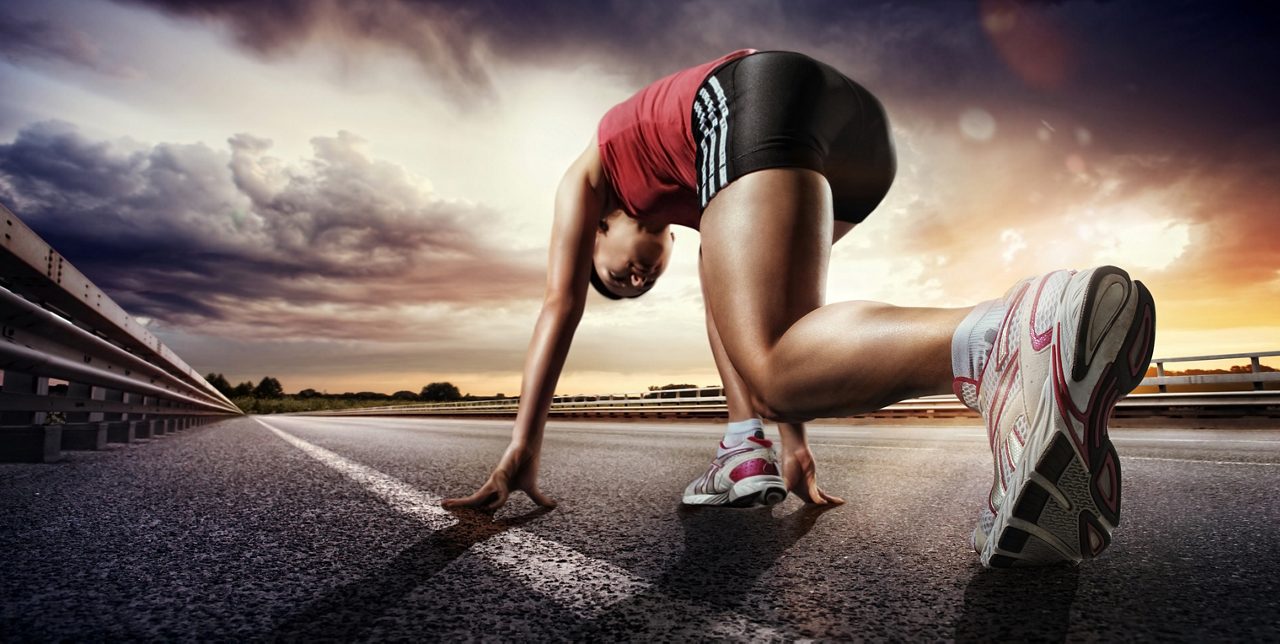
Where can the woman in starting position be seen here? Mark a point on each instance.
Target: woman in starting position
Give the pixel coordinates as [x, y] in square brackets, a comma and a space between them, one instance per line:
[774, 156]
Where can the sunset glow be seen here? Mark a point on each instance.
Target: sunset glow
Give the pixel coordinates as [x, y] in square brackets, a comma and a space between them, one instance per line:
[357, 196]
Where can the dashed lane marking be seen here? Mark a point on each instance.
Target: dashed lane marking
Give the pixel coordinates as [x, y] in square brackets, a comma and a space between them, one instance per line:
[856, 446]
[584, 585]
[1122, 458]
[1195, 460]
[1193, 440]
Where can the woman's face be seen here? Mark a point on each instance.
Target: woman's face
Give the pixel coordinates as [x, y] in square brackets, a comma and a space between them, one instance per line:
[630, 258]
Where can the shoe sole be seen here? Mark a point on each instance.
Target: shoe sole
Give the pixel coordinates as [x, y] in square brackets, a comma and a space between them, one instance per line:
[749, 492]
[1067, 505]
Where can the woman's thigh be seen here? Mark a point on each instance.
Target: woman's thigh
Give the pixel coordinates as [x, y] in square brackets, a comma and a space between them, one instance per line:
[766, 241]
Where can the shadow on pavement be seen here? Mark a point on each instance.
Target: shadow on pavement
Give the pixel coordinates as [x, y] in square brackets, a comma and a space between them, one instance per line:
[726, 551]
[1020, 604]
[350, 609]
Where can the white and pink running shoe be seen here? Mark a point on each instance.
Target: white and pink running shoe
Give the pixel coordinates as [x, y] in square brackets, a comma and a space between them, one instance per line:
[744, 476]
[1071, 344]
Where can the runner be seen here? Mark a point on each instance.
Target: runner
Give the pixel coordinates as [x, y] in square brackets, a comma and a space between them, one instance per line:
[774, 156]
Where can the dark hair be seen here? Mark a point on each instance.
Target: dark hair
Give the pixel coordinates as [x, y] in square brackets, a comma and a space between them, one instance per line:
[603, 289]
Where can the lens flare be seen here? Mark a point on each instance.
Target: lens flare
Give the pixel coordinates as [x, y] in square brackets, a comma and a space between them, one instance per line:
[1034, 48]
[977, 124]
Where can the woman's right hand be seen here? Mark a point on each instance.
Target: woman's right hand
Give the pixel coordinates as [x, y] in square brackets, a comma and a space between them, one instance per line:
[518, 470]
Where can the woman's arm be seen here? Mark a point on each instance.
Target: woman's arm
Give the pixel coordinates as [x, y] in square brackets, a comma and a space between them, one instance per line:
[580, 201]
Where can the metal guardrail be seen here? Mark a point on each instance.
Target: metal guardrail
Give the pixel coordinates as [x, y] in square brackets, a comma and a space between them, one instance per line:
[121, 382]
[710, 401]
[1256, 376]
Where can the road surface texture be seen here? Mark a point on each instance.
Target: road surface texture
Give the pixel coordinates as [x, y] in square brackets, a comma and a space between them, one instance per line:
[303, 529]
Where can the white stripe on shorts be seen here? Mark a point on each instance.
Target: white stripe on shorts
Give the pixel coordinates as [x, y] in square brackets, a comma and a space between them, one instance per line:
[710, 149]
[724, 129]
[702, 167]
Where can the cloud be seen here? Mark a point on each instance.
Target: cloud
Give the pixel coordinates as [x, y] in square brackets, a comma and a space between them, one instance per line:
[457, 44]
[1199, 229]
[235, 239]
[28, 41]
[917, 55]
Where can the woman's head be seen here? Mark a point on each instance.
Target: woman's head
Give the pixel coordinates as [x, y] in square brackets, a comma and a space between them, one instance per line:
[629, 257]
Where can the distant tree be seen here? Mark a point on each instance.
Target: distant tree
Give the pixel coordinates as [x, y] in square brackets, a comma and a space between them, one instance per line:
[404, 395]
[268, 387]
[220, 383]
[440, 392]
[308, 393]
[500, 395]
[242, 390]
[371, 395]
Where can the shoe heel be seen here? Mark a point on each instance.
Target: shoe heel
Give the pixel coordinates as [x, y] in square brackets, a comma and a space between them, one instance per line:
[773, 496]
[1106, 297]
[1127, 371]
[758, 490]
[1139, 343]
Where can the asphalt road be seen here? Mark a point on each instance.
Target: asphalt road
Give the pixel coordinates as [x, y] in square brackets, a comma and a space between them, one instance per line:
[329, 528]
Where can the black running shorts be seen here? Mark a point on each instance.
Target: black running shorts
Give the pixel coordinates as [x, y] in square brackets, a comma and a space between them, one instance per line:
[775, 109]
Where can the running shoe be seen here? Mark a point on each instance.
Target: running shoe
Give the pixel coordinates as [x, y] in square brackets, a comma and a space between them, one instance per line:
[744, 476]
[1070, 346]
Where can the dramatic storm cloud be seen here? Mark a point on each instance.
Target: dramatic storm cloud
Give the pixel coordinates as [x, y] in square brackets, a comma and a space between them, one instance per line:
[340, 232]
[39, 40]
[1100, 57]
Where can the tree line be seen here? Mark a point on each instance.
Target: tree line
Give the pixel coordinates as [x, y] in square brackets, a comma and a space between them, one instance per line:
[269, 388]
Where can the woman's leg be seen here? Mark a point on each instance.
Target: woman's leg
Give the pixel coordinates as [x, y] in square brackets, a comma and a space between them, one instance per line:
[740, 400]
[798, 465]
[743, 404]
[765, 251]
[766, 242]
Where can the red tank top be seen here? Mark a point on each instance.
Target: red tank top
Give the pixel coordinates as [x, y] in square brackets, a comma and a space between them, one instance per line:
[646, 145]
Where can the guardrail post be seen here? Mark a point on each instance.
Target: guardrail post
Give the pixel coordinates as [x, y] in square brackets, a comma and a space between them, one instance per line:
[26, 437]
[146, 420]
[119, 429]
[157, 424]
[141, 422]
[84, 430]
[1160, 374]
[1255, 365]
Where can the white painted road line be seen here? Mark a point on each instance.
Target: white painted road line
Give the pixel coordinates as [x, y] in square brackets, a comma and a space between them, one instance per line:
[1194, 460]
[586, 586]
[573, 580]
[855, 446]
[397, 494]
[1193, 440]
[1122, 457]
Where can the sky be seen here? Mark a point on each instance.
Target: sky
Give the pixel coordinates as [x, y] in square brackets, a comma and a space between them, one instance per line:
[358, 196]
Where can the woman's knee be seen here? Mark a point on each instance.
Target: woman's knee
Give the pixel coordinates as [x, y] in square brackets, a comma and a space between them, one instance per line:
[766, 411]
[769, 396]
